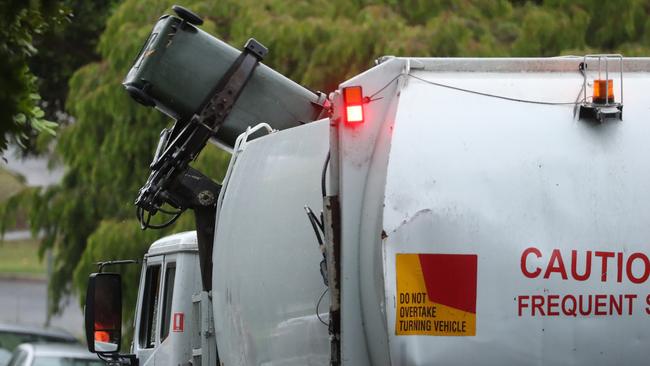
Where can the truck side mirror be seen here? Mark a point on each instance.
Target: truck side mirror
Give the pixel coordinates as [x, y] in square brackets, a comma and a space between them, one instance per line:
[103, 312]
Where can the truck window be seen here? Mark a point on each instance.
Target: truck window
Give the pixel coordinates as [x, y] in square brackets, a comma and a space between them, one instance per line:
[168, 295]
[150, 297]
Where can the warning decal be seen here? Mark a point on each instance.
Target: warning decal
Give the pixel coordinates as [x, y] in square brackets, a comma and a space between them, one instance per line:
[178, 322]
[436, 294]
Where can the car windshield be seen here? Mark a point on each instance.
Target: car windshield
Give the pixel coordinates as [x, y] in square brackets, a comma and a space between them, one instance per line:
[4, 356]
[65, 361]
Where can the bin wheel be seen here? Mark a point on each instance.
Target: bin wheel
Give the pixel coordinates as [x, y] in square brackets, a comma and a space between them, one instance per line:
[187, 15]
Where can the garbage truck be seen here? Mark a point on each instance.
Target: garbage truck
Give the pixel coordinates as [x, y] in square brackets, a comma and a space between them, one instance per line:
[446, 211]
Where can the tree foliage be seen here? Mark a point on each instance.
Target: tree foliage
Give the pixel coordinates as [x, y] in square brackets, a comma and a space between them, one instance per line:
[63, 48]
[319, 43]
[45, 42]
[21, 117]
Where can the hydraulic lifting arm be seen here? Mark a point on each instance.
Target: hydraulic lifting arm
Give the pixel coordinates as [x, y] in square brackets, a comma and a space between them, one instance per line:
[172, 181]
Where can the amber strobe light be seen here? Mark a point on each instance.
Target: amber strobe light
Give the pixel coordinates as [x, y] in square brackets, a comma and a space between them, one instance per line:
[603, 91]
[353, 99]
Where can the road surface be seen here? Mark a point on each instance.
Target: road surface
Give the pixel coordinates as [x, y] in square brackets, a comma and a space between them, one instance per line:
[23, 302]
[35, 170]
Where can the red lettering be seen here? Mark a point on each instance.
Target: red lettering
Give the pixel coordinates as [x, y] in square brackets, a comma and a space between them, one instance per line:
[600, 305]
[646, 268]
[615, 306]
[553, 302]
[524, 268]
[521, 303]
[636, 267]
[619, 267]
[569, 310]
[574, 266]
[630, 297]
[581, 302]
[647, 301]
[557, 268]
[584, 305]
[537, 305]
[605, 256]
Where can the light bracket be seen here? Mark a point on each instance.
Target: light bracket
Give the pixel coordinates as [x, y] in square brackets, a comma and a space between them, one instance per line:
[603, 105]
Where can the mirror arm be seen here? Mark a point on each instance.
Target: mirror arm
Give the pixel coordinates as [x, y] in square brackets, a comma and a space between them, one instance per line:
[116, 262]
[113, 359]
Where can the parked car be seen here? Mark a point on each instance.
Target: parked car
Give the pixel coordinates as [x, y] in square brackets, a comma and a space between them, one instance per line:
[53, 354]
[11, 335]
[4, 356]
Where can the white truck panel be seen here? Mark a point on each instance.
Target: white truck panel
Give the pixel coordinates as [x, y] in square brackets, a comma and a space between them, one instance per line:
[266, 279]
[490, 178]
[360, 184]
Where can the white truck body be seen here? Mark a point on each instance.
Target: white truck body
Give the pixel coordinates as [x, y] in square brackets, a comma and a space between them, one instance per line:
[466, 174]
[266, 280]
[482, 222]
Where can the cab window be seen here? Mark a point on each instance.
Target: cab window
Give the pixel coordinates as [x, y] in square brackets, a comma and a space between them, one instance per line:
[150, 298]
[168, 295]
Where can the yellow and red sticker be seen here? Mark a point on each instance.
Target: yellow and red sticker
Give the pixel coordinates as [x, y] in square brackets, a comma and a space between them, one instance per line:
[436, 294]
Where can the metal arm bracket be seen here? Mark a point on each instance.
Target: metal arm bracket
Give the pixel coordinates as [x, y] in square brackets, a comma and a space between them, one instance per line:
[172, 181]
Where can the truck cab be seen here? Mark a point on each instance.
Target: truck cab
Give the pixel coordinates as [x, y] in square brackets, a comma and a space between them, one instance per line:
[170, 277]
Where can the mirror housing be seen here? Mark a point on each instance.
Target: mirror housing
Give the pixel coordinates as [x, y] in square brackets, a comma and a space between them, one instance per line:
[103, 312]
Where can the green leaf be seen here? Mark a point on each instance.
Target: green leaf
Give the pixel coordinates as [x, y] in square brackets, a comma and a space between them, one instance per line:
[20, 118]
[37, 112]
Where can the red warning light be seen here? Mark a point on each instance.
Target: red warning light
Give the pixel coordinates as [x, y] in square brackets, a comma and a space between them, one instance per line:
[353, 99]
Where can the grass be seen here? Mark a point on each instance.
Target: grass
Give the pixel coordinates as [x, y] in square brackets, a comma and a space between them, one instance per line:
[9, 184]
[20, 258]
